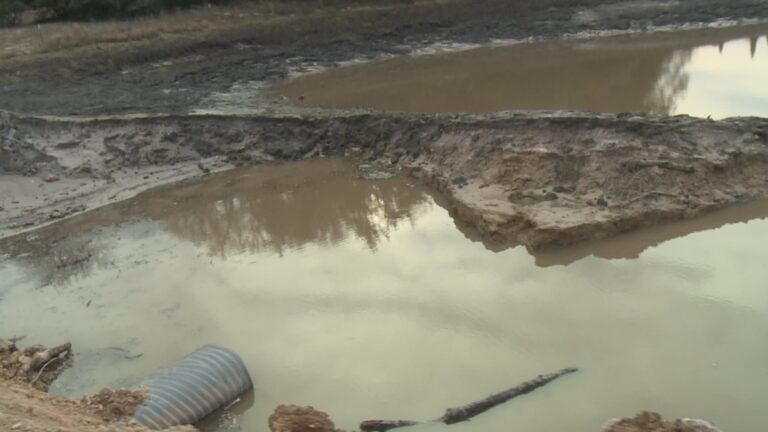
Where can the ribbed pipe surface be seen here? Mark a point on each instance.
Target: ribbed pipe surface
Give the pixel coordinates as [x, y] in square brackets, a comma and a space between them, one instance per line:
[194, 387]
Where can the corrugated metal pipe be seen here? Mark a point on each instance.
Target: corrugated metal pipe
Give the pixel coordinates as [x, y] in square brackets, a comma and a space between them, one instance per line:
[197, 385]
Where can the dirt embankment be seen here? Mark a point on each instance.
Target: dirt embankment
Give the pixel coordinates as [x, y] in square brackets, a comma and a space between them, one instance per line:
[171, 65]
[26, 373]
[24, 409]
[518, 178]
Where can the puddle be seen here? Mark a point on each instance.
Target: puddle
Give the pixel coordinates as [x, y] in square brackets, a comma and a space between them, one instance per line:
[715, 72]
[361, 297]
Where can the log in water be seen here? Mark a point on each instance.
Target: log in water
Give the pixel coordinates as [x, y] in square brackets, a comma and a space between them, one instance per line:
[466, 412]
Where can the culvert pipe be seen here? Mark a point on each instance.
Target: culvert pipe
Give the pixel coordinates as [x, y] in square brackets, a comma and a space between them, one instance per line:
[195, 386]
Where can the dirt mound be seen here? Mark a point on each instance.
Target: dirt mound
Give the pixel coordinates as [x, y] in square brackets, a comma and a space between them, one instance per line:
[112, 405]
[653, 422]
[294, 418]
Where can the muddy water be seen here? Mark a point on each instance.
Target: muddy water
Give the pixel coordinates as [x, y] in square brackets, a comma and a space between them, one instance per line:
[362, 298]
[718, 73]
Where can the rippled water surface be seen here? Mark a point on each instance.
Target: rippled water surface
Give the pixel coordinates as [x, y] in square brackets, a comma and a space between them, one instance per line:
[362, 298]
[716, 72]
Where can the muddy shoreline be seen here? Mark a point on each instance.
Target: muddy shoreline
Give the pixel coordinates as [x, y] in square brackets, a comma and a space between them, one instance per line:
[177, 74]
[519, 178]
[525, 177]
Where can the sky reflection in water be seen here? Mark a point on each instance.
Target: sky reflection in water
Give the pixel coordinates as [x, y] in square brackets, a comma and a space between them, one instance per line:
[362, 298]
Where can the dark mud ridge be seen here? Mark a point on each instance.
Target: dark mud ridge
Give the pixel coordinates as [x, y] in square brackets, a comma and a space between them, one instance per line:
[536, 179]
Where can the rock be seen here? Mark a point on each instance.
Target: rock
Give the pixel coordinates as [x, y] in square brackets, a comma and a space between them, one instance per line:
[294, 418]
[653, 422]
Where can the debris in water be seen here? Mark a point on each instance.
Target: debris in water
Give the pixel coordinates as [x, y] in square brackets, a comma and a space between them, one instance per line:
[466, 412]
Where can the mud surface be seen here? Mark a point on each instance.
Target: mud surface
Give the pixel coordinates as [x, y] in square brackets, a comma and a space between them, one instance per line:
[705, 73]
[532, 179]
[177, 74]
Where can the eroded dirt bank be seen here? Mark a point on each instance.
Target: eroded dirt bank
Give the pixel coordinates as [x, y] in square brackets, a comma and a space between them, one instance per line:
[535, 179]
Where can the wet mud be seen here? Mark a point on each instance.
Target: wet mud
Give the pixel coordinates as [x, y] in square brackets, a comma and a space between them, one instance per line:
[176, 74]
[534, 179]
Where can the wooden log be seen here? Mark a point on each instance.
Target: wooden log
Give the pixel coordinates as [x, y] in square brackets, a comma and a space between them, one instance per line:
[466, 412]
[385, 425]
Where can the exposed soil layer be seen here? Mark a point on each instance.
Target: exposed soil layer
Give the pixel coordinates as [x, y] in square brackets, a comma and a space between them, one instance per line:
[518, 178]
[174, 70]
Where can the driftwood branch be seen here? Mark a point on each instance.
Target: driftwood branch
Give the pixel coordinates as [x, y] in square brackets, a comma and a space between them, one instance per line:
[385, 425]
[466, 412]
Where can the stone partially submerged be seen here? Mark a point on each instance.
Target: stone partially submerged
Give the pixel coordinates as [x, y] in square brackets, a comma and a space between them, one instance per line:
[653, 422]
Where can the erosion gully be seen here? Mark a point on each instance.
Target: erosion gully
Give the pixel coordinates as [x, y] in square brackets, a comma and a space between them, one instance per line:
[356, 291]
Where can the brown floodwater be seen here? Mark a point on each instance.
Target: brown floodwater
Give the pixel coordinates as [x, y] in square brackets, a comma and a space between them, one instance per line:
[361, 297]
[715, 72]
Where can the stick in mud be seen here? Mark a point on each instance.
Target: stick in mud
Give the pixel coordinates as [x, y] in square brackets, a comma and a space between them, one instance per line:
[466, 412]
